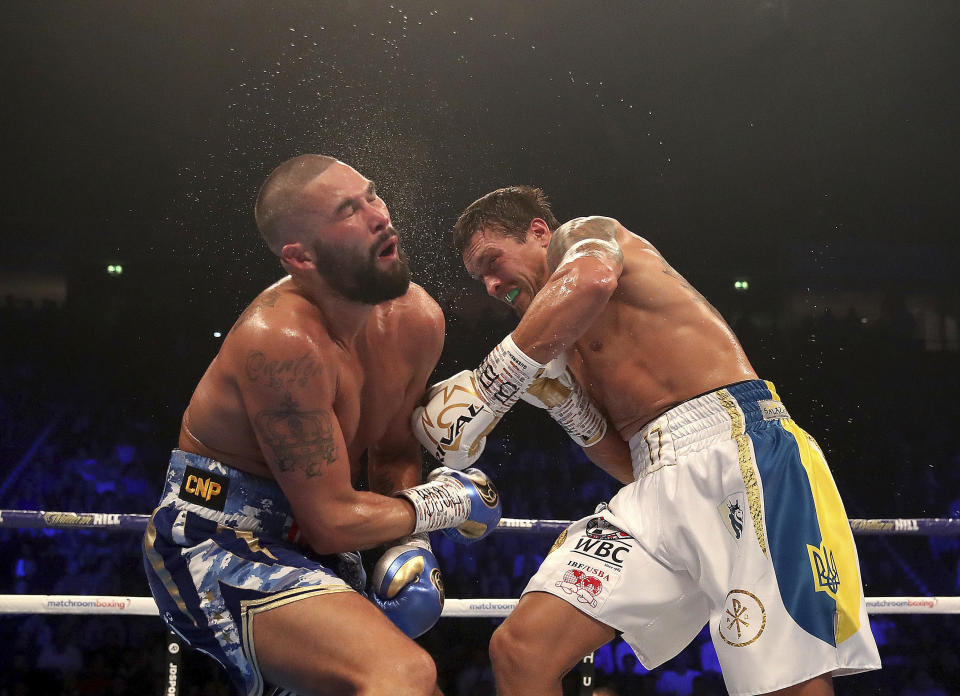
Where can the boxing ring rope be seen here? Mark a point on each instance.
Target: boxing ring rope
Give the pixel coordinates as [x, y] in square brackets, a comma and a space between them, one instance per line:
[44, 519]
[12, 604]
[453, 608]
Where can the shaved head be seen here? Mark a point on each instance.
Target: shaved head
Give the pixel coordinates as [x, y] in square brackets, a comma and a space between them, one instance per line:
[280, 198]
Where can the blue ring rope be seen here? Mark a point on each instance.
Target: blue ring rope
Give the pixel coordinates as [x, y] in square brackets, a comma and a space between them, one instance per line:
[42, 519]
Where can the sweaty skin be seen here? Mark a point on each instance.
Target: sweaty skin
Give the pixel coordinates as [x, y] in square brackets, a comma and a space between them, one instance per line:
[312, 384]
[640, 338]
[258, 400]
[313, 387]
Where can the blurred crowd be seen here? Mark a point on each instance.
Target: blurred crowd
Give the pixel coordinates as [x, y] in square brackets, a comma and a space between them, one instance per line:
[83, 435]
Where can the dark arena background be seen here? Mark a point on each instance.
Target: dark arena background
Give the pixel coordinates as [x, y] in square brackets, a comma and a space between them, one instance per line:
[796, 161]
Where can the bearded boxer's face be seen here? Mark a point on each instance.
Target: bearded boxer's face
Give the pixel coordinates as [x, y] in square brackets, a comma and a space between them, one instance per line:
[510, 270]
[370, 275]
[357, 250]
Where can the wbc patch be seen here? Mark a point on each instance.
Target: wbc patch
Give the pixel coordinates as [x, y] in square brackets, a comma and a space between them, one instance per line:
[604, 545]
[600, 528]
[594, 567]
[204, 488]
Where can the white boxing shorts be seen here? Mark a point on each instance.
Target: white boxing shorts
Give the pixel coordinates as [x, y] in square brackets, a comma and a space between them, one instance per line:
[733, 519]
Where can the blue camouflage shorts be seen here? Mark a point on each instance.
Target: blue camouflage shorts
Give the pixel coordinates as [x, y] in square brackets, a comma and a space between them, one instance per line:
[218, 551]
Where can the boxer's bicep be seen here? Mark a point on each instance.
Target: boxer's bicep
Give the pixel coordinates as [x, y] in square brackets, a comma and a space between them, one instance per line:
[289, 400]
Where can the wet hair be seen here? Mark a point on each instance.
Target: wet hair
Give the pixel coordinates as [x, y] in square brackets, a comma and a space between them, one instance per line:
[279, 197]
[508, 211]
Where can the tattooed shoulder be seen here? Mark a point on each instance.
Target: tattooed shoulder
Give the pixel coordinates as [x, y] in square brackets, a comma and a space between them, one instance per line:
[299, 439]
[267, 299]
[281, 373]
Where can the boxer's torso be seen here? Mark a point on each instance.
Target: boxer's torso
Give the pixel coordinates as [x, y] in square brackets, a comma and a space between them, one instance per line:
[369, 376]
[657, 343]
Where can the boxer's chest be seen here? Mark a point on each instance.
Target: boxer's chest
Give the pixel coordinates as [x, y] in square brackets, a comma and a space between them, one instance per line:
[371, 392]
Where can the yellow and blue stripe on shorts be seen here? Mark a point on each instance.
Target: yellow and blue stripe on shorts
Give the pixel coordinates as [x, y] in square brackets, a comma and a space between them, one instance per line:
[807, 535]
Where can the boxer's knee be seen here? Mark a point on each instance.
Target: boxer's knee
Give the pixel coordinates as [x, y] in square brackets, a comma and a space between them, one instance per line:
[406, 672]
[513, 652]
[412, 672]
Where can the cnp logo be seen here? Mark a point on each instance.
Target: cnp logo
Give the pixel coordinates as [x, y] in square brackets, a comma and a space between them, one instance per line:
[204, 488]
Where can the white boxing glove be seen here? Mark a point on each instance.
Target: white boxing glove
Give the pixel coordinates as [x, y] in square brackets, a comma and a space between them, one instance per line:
[460, 411]
[558, 391]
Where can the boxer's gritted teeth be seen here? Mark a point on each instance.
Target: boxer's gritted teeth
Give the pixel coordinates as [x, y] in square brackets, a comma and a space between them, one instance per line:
[512, 295]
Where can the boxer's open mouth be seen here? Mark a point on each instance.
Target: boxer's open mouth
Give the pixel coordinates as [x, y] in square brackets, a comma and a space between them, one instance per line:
[389, 249]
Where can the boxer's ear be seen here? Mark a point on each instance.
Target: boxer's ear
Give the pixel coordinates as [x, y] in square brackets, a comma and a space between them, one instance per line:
[297, 256]
[540, 231]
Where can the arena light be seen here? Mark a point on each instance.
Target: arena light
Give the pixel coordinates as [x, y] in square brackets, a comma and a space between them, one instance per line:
[217, 334]
[741, 285]
[114, 269]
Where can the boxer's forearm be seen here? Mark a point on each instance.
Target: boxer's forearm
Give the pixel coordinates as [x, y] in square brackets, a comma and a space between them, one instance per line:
[563, 310]
[357, 520]
[612, 455]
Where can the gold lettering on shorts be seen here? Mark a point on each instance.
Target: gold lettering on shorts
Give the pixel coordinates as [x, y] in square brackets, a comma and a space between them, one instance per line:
[202, 487]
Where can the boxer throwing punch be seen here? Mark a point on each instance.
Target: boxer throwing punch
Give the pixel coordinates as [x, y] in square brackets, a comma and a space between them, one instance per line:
[733, 519]
[251, 554]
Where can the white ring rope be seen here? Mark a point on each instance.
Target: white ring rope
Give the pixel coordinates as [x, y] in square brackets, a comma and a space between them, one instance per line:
[452, 608]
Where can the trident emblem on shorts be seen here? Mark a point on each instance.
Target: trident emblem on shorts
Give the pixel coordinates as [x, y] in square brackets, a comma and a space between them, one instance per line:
[824, 567]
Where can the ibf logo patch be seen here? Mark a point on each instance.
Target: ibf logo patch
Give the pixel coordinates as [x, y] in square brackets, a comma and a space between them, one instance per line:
[204, 488]
[826, 578]
[585, 587]
[731, 512]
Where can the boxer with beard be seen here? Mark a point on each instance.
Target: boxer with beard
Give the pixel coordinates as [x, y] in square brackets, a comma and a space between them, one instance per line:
[252, 552]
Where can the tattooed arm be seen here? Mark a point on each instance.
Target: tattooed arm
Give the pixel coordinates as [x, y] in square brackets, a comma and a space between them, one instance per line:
[288, 389]
[586, 261]
[395, 462]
